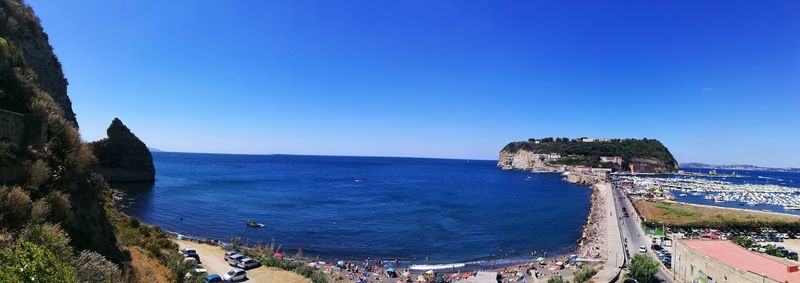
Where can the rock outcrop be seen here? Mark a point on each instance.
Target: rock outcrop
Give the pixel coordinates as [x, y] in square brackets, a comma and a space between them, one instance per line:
[123, 157]
[19, 25]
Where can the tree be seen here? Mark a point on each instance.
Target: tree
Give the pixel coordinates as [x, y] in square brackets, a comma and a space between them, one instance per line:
[556, 279]
[743, 241]
[584, 274]
[642, 268]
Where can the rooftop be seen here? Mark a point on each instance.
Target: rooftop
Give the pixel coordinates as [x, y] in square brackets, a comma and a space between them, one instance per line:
[743, 259]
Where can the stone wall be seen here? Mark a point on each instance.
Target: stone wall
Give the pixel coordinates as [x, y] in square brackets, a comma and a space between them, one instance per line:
[23, 129]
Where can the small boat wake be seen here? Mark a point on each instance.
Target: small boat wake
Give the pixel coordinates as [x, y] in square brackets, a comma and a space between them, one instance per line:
[253, 224]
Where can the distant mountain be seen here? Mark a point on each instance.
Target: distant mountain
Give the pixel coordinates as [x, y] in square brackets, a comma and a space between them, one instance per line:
[153, 149]
[737, 167]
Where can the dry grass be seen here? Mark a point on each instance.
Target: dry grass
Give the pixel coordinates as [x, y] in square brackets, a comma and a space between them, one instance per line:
[147, 269]
[680, 214]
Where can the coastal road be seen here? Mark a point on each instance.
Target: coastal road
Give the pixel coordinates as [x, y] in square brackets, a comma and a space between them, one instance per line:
[634, 235]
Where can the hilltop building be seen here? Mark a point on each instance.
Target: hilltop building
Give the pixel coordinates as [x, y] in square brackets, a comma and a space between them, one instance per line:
[611, 159]
[724, 261]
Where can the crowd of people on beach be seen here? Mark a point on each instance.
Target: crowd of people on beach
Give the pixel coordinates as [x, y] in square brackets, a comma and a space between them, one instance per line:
[539, 269]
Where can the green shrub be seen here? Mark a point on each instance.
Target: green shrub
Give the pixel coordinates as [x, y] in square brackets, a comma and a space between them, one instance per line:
[584, 274]
[94, 267]
[743, 241]
[556, 279]
[15, 207]
[40, 254]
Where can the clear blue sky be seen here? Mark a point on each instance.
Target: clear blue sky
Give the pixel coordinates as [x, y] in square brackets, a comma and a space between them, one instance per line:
[715, 81]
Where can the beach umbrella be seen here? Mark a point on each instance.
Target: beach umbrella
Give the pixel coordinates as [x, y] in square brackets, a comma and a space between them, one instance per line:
[279, 255]
[454, 275]
[540, 259]
[390, 269]
[466, 275]
[421, 278]
[341, 262]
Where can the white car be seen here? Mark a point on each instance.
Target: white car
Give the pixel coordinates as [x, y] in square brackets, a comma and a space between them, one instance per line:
[229, 254]
[236, 274]
[642, 249]
[234, 259]
[247, 263]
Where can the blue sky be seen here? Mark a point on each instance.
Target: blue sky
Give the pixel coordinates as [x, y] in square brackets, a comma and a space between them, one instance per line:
[716, 81]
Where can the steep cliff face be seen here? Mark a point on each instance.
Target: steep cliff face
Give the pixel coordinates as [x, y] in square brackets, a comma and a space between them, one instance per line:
[19, 25]
[55, 183]
[123, 157]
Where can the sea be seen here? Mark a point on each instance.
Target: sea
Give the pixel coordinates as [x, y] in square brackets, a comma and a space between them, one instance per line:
[758, 177]
[432, 212]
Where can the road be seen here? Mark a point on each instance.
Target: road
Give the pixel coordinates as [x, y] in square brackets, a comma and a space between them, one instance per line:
[634, 235]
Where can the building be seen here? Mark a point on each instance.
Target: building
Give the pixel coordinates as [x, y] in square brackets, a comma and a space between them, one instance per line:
[723, 261]
[611, 159]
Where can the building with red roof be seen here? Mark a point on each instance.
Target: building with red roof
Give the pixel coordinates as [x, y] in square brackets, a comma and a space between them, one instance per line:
[723, 261]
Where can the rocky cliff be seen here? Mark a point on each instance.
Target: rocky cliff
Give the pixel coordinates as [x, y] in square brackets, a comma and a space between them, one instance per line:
[123, 157]
[56, 185]
[645, 155]
[19, 25]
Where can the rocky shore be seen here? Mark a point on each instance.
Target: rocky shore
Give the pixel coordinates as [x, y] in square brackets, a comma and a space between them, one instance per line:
[592, 244]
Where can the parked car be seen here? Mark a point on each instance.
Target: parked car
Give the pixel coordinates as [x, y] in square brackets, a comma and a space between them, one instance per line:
[234, 259]
[236, 274]
[626, 214]
[213, 278]
[247, 263]
[229, 254]
[656, 247]
[195, 256]
[642, 249]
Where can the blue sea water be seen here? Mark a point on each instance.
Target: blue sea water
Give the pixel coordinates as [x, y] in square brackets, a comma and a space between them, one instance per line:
[417, 210]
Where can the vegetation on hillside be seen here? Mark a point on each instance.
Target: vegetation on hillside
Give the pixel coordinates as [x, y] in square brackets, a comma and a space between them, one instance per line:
[57, 222]
[576, 152]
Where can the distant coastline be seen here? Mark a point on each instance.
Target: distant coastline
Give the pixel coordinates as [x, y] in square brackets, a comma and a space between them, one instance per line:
[737, 167]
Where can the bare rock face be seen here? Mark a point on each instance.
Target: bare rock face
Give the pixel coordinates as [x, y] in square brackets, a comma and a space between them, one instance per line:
[19, 25]
[122, 157]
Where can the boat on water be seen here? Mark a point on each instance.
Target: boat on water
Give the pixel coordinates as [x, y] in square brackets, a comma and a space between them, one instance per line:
[253, 224]
[696, 194]
[792, 207]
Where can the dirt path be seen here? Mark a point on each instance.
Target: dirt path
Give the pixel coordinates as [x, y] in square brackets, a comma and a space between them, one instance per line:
[213, 260]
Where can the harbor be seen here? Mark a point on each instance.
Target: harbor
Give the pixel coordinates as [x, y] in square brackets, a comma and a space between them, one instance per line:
[713, 191]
